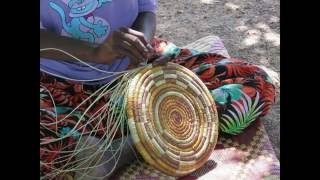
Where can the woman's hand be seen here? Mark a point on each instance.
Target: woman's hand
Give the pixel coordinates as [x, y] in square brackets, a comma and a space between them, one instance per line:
[125, 42]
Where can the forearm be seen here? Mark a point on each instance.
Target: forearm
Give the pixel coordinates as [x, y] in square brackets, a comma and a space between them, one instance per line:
[146, 23]
[81, 49]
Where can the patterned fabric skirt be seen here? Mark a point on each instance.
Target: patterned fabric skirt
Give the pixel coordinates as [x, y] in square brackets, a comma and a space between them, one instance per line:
[243, 93]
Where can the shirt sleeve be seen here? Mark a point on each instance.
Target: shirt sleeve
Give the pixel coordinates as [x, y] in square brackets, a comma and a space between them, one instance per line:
[148, 6]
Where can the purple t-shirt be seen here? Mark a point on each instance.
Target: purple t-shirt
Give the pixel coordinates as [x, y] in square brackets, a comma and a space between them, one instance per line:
[92, 21]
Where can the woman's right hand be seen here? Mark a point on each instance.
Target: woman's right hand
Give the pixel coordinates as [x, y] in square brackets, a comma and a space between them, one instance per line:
[125, 42]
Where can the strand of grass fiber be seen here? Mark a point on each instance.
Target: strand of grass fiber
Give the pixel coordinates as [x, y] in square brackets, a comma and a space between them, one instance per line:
[72, 131]
[71, 170]
[116, 93]
[54, 106]
[89, 66]
[121, 115]
[83, 62]
[113, 154]
[78, 59]
[108, 120]
[79, 128]
[115, 128]
[112, 108]
[77, 80]
[72, 144]
[104, 87]
[112, 116]
[112, 157]
[101, 155]
[119, 150]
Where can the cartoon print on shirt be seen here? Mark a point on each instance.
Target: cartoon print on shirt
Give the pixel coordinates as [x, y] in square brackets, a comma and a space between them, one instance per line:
[83, 25]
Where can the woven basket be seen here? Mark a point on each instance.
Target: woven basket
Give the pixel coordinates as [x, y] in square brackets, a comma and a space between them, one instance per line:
[172, 118]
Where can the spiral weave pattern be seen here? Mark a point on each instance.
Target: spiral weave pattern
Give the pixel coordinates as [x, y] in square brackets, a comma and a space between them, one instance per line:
[172, 118]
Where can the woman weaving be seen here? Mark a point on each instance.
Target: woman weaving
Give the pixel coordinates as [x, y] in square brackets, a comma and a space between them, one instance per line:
[114, 36]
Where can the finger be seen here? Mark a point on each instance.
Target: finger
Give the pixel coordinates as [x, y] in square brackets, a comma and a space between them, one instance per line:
[122, 38]
[138, 34]
[136, 58]
[126, 49]
[136, 43]
[132, 50]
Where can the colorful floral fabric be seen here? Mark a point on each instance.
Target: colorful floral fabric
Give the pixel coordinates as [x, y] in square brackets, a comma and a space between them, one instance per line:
[242, 91]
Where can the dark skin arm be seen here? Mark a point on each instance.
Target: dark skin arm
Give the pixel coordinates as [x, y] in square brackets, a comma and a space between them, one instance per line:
[125, 42]
[146, 23]
[80, 49]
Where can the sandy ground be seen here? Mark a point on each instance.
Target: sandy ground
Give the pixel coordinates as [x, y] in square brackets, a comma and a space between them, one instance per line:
[249, 28]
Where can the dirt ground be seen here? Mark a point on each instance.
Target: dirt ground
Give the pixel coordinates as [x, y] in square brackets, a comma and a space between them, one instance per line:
[249, 29]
